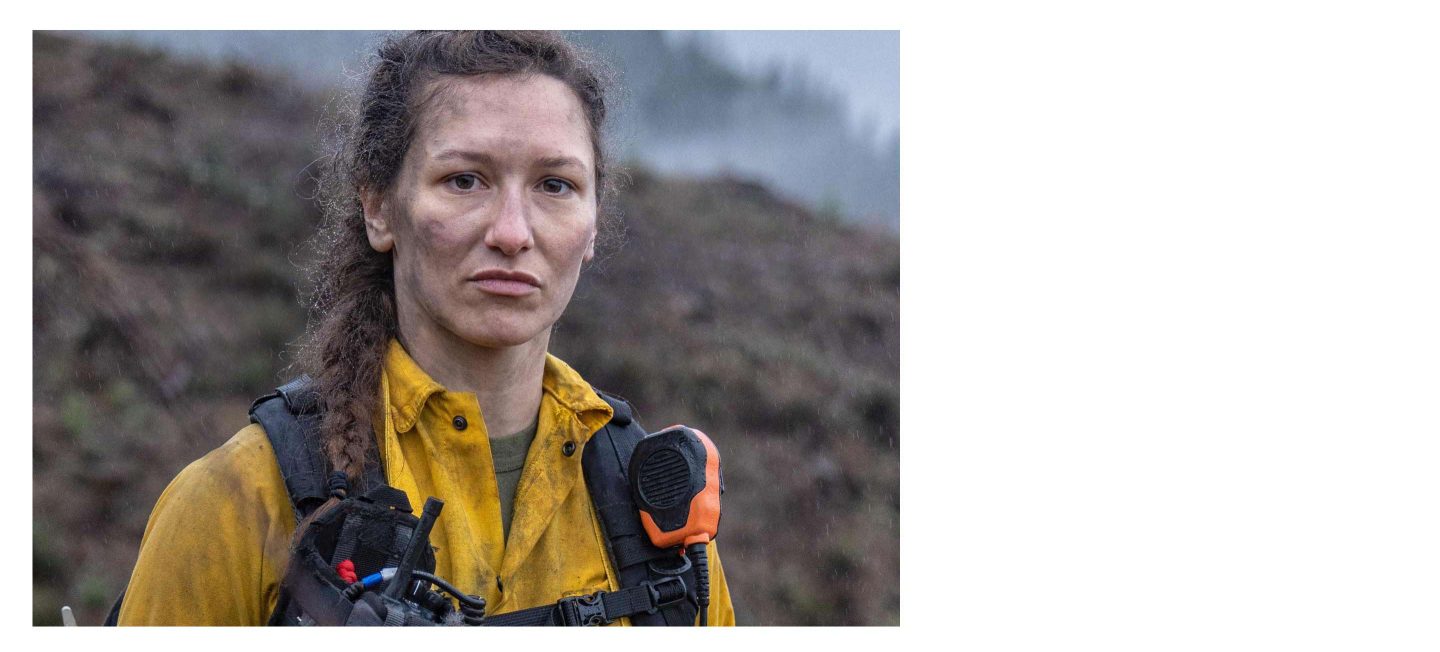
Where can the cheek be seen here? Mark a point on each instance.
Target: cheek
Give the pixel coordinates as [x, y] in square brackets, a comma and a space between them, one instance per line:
[577, 242]
[572, 257]
[432, 235]
[440, 241]
[427, 251]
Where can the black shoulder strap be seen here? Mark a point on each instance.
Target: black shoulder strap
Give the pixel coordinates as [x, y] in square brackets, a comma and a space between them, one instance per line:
[292, 430]
[291, 418]
[113, 619]
[606, 462]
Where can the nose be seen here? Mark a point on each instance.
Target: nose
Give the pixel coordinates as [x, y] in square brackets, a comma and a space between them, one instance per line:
[510, 231]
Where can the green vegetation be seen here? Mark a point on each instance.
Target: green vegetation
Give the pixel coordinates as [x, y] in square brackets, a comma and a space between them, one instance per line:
[170, 202]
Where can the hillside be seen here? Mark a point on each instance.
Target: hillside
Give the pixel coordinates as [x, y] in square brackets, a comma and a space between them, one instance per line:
[170, 203]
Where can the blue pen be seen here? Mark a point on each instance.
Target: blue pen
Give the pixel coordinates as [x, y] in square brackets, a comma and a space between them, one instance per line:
[372, 581]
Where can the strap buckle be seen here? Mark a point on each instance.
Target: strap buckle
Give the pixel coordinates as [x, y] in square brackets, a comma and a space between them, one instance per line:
[584, 610]
[658, 599]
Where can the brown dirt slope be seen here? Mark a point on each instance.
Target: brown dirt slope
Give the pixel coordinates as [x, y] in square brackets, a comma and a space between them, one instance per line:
[170, 200]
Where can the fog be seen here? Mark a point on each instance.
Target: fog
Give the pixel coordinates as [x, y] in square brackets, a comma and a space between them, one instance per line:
[815, 116]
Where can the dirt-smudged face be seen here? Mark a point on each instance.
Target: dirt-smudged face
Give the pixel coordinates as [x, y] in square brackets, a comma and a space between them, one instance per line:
[493, 212]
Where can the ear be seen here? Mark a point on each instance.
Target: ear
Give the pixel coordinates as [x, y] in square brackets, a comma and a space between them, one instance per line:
[377, 223]
[590, 246]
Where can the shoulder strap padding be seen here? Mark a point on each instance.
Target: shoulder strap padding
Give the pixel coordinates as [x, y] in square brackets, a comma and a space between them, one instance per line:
[291, 422]
[606, 462]
[291, 418]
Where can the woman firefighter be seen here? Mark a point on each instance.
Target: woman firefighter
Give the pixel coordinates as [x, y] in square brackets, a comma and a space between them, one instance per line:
[466, 196]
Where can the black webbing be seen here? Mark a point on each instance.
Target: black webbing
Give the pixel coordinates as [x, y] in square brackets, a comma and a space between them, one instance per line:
[349, 537]
[635, 549]
[532, 617]
[599, 608]
[633, 600]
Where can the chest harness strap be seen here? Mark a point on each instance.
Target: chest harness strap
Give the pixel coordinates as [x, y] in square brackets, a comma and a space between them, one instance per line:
[658, 586]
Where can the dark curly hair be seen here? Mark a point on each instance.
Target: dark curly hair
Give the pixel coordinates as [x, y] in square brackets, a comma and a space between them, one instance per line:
[352, 305]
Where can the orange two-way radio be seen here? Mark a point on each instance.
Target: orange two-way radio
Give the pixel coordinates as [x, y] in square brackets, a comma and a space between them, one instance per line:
[676, 482]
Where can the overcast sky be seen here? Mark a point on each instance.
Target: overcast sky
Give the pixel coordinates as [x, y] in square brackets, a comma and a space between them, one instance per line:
[864, 65]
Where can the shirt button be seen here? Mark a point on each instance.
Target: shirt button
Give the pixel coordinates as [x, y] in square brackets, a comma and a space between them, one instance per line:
[460, 423]
[568, 449]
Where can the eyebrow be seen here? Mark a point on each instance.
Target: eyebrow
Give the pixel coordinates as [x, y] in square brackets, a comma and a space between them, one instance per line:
[486, 159]
[562, 162]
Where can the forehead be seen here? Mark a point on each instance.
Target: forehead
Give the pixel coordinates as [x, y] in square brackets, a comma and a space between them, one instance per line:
[531, 115]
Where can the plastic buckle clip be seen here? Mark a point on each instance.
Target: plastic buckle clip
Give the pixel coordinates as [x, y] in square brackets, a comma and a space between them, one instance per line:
[683, 568]
[584, 610]
[657, 599]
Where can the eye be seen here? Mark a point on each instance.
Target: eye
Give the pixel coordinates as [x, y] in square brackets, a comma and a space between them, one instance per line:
[553, 186]
[464, 182]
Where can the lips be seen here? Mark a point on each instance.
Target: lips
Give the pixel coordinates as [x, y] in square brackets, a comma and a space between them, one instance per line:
[506, 283]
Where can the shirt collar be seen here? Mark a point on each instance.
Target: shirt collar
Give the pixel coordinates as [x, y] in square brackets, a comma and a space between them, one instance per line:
[569, 390]
[409, 387]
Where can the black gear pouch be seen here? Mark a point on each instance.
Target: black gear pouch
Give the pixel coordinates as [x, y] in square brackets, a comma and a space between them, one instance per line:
[372, 531]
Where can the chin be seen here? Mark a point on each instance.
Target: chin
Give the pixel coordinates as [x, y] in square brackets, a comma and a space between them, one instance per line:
[499, 336]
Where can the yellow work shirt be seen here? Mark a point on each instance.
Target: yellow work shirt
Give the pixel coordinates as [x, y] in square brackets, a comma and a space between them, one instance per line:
[218, 540]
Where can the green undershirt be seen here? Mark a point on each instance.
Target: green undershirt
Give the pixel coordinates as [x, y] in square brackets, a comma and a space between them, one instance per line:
[509, 453]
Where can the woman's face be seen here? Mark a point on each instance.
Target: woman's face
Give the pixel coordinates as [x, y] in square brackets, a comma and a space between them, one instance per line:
[492, 213]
